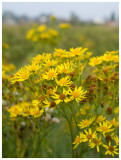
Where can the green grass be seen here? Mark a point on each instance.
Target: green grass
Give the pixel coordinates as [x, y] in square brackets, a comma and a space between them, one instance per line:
[97, 39]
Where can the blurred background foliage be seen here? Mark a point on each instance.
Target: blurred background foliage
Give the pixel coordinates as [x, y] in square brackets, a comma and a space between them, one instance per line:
[98, 38]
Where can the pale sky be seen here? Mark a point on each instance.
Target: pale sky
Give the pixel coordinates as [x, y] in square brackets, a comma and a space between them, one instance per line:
[84, 10]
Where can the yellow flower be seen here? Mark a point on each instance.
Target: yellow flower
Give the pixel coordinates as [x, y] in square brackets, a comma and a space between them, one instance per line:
[77, 51]
[36, 60]
[86, 107]
[47, 56]
[111, 150]
[21, 75]
[78, 94]
[18, 109]
[64, 25]
[62, 97]
[41, 28]
[35, 102]
[116, 58]
[83, 112]
[65, 68]
[116, 140]
[45, 35]
[36, 112]
[50, 75]
[53, 32]
[51, 91]
[88, 54]
[59, 52]
[100, 119]
[15, 111]
[105, 127]
[4, 76]
[95, 143]
[50, 63]
[33, 67]
[77, 140]
[50, 104]
[86, 123]
[95, 61]
[116, 110]
[88, 136]
[64, 81]
[30, 33]
[114, 123]
[107, 57]
[112, 52]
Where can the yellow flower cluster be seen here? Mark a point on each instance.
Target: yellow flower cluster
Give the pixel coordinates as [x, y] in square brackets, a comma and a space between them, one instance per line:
[42, 34]
[56, 76]
[88, 102]
[64, 25]
[107, 57]
[101, 130]
[25, 109]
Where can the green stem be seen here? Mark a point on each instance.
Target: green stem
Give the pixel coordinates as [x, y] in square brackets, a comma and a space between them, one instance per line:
[71, 130]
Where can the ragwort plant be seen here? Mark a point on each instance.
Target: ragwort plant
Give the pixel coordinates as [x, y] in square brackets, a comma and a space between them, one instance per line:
[89, 103]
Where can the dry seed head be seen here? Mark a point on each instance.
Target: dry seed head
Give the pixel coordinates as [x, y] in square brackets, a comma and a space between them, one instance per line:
[98, 89]
[62, 96]
[105, 87]
[72, 74]
[105, 79]
[72, 86]
[105, 70]
[44, 86]
[93, 85]
[50, 87]
[110, 94]
[88, 77]
[108, 138]
[109, 110]
[84, 100]
[93, 79]
[41, 98]
[91, 90]
[112, 78]
[52, 104]
[102, 104]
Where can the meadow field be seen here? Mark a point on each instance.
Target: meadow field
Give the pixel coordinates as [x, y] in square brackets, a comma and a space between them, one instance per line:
[64, 101]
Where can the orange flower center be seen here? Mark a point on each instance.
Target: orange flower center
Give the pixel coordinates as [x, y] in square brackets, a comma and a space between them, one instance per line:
[63, 81]
[85, 123]
[24, 76]
[65, 70]
[96, 141]
[51, 74]
[36, 112]
[89, 136]
[104, 128]
[76, 94]
[49, 63]
[33, 68]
